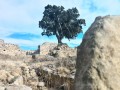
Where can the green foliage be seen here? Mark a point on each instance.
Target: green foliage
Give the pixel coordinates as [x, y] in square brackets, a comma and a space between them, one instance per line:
[60, 22]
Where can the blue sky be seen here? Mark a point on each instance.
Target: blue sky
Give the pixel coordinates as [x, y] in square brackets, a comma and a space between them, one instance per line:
[19, 19]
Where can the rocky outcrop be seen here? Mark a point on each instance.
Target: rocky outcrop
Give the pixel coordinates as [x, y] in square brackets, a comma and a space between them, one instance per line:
[18, 74]
[55, 50]
[50, 67]
[53, 72]
[46, 47]
[98, 56]
[52, 49]
[63, 51]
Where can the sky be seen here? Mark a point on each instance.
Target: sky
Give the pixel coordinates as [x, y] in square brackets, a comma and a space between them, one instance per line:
[19, 19]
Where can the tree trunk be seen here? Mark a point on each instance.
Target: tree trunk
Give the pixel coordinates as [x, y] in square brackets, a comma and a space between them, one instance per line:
[59, 39]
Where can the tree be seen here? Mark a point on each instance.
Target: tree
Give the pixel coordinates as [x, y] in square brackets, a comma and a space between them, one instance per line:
[60, 22]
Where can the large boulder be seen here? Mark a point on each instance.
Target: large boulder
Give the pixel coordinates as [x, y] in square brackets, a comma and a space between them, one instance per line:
[63, 51]
[98, 56]
[46, 47]
[53, 49]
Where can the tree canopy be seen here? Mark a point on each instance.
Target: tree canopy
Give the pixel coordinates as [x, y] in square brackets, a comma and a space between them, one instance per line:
[60, 22]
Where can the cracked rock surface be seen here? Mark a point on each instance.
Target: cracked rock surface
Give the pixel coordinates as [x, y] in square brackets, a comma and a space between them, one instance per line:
[98, 56]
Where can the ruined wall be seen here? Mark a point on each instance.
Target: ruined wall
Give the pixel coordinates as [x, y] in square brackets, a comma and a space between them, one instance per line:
[31, 71]
[10, 49]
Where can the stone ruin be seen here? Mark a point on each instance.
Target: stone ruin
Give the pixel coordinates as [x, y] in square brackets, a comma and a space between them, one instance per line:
[10, 49]
[49, 69]
[98, 59]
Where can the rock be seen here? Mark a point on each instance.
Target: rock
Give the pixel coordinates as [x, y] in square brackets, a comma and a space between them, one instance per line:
[17, 87]
[18, 69]
[18, 81]
[57, 50]
[63, 51]
[65, 86]
[2, 88]
[16, 72]
[63, 71]
[10, 78]
[47, 69]
[3, 76]
[32, 72]
[41, 84]
[98, 56]
[46, 47]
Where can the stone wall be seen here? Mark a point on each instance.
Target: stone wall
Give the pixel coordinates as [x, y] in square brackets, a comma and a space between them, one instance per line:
[10, 49]
[30, 69]
[54, 50]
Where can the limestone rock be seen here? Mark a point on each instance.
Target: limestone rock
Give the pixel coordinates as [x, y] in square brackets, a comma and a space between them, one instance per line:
[18, 81]
[17, 87]
[46, 47]
[63, 51]
[57, 50]
[44, 71]
[3, 75]
[2, 88]
[41, 84]
[98, 56]
[63, 71]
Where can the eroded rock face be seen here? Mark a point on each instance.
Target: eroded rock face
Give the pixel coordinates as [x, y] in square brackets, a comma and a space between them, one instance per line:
[98, 56]
[46, 47]
[63, 51]
[55, 50]
[44, 71]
